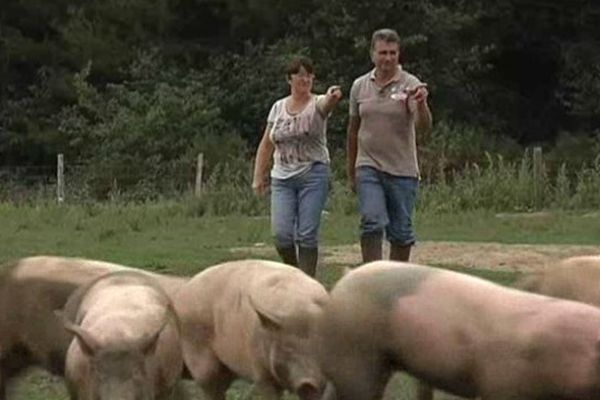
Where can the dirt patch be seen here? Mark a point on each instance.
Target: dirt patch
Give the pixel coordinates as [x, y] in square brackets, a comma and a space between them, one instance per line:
[508, 257]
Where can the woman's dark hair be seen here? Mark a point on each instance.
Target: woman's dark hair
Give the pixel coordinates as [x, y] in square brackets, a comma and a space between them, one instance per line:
[293, 67]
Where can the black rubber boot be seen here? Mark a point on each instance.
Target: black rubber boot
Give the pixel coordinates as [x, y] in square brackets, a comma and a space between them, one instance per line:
[400, 252]
[288, 255]
[370, 247]
[308, 258]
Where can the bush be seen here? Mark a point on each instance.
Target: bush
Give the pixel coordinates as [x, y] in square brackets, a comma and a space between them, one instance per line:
[142, 138]
[450, 147]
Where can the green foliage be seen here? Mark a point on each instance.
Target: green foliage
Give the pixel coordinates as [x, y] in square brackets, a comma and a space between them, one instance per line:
[579, 83]
[146, 134]
[132, 91]
[341, 199]
[452, 146]
[561, 193]
[502, 185]
[249, 84]
[587, 193]
[573, 149]
[229, 191]
[506, 278]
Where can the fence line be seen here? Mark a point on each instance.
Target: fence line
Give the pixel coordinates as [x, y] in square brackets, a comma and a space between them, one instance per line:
[538, 177]
[57, 177]
[199, 170]
[70, 181]
[60, 179]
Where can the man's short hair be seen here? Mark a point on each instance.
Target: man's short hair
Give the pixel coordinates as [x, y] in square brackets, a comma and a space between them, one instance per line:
[386, 35]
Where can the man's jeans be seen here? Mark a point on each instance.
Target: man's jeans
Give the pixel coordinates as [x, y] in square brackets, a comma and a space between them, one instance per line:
[386, 203]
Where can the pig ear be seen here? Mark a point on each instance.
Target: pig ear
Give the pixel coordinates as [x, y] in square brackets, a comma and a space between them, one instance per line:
[88, 343]
[267, 320]
[149, 345]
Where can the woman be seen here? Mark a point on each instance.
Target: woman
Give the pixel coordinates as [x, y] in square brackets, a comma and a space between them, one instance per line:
[295, 137]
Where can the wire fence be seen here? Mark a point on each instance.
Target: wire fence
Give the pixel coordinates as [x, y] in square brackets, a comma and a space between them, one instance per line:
[80, 182]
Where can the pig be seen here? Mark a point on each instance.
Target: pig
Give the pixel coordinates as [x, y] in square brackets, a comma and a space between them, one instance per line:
[575, 278]
[252, 319]
[126, 340]
[458, 333]
[30, 290]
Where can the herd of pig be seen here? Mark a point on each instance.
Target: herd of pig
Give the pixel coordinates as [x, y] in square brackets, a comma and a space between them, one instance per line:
[120, 333]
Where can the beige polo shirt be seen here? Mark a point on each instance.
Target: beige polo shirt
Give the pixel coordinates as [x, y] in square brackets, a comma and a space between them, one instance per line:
[386, 136]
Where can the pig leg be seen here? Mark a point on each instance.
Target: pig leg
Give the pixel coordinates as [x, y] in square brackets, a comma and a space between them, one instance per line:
[216, 386]
[12, 364]
[507, 385]
[208, 372]
[357, 377]
[2, 385]
[424, 391]
[267, 390]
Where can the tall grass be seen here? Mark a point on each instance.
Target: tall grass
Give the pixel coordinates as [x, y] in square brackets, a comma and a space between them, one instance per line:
[495, 184]
[508, 186]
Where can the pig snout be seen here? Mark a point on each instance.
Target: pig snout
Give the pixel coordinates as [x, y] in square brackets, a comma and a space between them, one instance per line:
[309, 390]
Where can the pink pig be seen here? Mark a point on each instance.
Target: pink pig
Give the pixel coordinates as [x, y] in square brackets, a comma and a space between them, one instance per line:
[458, 333]
[255, 320]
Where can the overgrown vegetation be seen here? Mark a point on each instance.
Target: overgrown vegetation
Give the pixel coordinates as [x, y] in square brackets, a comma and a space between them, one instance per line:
[130, 92]
[487, 181]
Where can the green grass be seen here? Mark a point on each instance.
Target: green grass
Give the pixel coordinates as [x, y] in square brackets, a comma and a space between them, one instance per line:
[168, 238]
[558, 227]
[506, 278]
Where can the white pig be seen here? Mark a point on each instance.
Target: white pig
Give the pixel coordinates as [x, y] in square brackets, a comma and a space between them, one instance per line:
[126, 340]
[255, 320]
[456, 332]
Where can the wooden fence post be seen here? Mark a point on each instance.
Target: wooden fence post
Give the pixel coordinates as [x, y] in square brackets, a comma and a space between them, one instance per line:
[60, 179]
[538, 177]
[199, 167]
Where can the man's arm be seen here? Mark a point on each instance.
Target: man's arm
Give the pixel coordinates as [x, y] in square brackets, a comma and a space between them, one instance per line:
[423, 118]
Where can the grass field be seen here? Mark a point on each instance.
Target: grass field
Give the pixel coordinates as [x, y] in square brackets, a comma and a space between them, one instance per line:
[171, 238]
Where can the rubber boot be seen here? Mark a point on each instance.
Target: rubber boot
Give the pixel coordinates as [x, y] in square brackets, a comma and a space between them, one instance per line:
[308, 257]
[400, 252]
[288, 255]
[370, 247]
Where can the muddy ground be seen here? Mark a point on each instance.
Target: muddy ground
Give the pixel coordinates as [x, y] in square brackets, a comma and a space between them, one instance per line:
[506, 257]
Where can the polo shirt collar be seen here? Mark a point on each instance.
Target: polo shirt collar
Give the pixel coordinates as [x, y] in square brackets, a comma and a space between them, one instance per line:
[396, 77]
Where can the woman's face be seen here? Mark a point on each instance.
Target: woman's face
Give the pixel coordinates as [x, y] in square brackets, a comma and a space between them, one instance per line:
[301, 81]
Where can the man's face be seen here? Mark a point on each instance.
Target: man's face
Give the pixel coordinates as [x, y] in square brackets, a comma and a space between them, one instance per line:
[385, 56]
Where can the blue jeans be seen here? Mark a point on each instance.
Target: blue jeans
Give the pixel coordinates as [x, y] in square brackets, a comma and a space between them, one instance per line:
[386, 204]
[296, 207]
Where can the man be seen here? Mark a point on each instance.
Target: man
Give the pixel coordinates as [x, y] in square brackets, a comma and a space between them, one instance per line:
[388, 108]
